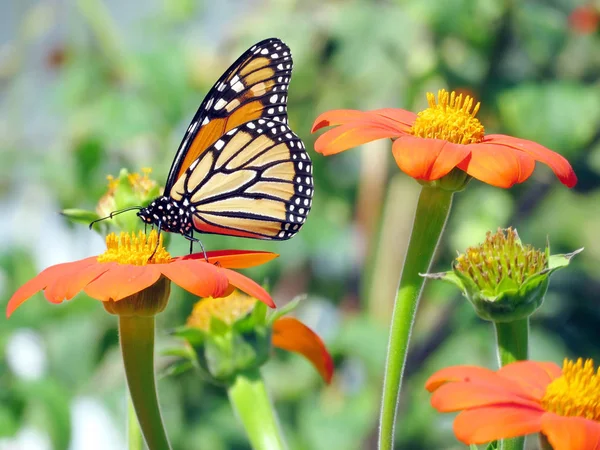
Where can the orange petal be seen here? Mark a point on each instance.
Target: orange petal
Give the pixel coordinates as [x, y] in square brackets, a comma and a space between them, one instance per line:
[427, 159]
[355, 133]
[471, 394]
[249, 286]
[498, 165]
[48, 277]
[404, 119]
[235, 259]
[121, 281]
[559, 165]
[532, 376]
[337, 117]
[481, 425]
[568, 433]
[457, 373]
[68, 283]
[292, 335]
[196, 276]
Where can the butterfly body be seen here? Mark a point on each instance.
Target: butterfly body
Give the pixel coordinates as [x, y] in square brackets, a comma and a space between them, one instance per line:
[240, 170]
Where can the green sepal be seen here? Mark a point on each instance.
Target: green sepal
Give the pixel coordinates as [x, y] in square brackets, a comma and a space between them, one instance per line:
[217, 327]
[494, 445]
[284, 310]
[194, 336]
[80, 215]
[556, 262]
[176, 368]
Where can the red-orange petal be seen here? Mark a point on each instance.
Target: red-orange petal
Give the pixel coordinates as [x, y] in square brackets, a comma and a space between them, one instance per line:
[532, 376]
[481, 425]
[337, 117]
[569, 433]
[355, 133]
[196, 276]
[427, 159]
[458, 373]
[292, 335]
[404, 119]
[472, 394]
[559, 165]
[121, 281]
[48, 278]
[235, 259]
[249, 286]
[498, 165]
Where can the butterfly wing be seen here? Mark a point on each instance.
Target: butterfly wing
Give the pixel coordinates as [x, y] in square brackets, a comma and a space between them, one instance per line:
[255, 86]
[255, 181]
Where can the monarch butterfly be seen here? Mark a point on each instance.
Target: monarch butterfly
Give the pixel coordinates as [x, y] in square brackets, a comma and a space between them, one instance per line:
[240, 170]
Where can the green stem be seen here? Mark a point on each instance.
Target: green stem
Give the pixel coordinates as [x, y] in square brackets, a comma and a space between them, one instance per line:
[432, 211]
[513, 345]
[134, 434]
[137, 346]
[251, 402]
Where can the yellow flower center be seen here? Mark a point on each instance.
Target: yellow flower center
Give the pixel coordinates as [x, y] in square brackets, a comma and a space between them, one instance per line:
[451, 118]
[136, 250]
[228, 309]
[576, 392]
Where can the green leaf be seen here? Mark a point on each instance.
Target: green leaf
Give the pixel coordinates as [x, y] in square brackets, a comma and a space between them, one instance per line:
[179, 352]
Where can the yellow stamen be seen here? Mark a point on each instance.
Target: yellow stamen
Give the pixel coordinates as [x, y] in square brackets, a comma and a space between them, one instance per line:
[451, 118]
[228, 309]
[135, 249]
[576, 392]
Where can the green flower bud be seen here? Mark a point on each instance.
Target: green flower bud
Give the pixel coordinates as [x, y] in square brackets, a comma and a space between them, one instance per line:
[229, 335]
[503, 279]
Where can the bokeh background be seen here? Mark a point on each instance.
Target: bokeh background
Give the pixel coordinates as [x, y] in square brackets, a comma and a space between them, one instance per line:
[90, 86]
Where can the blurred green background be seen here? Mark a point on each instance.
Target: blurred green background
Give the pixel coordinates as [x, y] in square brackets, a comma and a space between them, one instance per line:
[88, 87]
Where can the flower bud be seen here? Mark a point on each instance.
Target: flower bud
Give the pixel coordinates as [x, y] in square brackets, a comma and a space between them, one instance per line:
[503, 279]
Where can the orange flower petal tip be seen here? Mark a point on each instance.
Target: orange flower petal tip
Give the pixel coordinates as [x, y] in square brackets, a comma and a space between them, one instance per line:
[292, 335]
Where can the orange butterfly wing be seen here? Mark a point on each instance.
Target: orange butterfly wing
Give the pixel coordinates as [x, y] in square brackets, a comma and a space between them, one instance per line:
[255, 86]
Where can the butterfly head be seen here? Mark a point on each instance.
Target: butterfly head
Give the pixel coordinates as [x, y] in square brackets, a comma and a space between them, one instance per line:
[169, 214]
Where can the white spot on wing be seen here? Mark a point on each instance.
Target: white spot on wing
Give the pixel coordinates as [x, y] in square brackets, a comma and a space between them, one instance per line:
[219, 144]
[220, 104]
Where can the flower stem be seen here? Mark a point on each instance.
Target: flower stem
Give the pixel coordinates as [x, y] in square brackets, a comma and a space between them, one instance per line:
[432, 211]
[513, 345]
[137, 346]
[513, 340]
[251, 402]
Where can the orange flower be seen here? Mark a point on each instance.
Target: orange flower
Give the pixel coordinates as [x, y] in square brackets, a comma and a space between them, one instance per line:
[287, 333]
[127, 268]
[447, 135]
[522, 398]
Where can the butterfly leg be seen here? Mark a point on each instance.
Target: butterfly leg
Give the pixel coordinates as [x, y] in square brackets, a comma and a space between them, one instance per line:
[190, 237]
[157, 241]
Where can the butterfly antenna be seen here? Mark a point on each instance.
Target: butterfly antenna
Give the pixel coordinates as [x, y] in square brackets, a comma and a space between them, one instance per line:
[113, 214]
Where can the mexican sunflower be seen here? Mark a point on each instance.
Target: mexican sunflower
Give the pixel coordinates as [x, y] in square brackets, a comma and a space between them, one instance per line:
[522, 398]
[445, 136]
[136, 263]
[287, 333]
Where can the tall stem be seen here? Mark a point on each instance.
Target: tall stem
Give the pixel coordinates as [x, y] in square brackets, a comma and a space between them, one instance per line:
[137, 345]
[252, 405]
[432, 212]
[513, 345]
